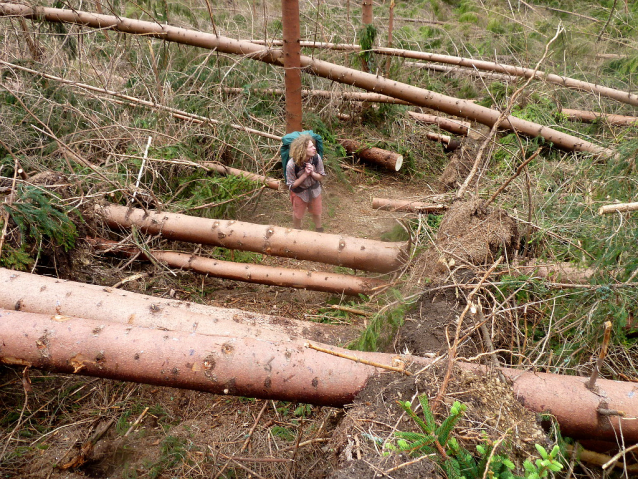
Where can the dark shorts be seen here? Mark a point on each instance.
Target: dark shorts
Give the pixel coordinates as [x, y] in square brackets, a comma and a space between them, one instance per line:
[299, 206]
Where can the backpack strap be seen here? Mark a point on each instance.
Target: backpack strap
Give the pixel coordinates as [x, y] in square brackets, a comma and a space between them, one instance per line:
[315, 162]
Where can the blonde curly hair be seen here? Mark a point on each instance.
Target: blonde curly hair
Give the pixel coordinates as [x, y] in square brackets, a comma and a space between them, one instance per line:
[298, 148]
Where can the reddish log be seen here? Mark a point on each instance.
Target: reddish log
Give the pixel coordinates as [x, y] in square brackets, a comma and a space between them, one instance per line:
[590, 116]
[292, 64]
[367, 81]
[407, 205]
[255, 273]
[227, 170]
[278, 370]
[453, 126]
[41, 294]
[387, 159]
[356, 253]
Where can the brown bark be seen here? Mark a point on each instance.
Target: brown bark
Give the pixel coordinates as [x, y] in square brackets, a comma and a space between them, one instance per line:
[277, 370]
[387, 159]
[453, 126]
[406, 205]
[463, 71]
[292, 65]
[366, 19]
[44, 295]
[255, 273]
[356, 253]
[344, 95]
[227, 170]
[590, 116]
[367, 81]
[619, 207]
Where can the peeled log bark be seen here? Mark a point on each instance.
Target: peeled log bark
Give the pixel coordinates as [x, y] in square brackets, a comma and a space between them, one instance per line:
[387, 159]
[227, 170]
[277, 370]
[447, 124]
[590, 116]
[406, 205]
[367, 81]
[619, 207]
[255, 273]
[356, 253]
[44, 295]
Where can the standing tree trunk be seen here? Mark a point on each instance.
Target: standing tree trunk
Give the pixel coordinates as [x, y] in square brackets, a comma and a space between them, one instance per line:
[292, 64]
[388, 60]
[367, 81]
[356, 253]
[366, 19]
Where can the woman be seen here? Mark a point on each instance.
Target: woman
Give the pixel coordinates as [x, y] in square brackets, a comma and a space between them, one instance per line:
[304, 174]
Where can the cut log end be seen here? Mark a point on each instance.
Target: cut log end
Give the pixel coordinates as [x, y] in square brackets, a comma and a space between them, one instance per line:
[399, 163]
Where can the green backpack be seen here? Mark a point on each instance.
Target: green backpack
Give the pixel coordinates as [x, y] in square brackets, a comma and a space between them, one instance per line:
[287, 139]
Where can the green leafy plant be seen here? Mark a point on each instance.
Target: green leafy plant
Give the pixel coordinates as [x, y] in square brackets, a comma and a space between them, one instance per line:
[456, 461]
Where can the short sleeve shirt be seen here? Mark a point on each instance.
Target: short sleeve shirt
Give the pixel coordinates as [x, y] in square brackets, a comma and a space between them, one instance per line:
[311, 187]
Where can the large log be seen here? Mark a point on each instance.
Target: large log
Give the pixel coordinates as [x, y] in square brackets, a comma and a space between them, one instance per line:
[41, 294]
[408, 205]
[447, 124]
[384, 158]
[356, 253]
[279, 370]
[227, 170]
[367, 81]
[254, 273]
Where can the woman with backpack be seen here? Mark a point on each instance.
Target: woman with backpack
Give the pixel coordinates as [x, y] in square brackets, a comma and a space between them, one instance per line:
[304, 174]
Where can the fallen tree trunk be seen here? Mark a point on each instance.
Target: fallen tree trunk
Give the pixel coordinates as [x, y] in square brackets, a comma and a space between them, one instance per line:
[254, 273]
[618, 207]
[377, 156]
[367, 81]
[449, 142]
[407, 205]
[557, 272]
[227, 170]
[44, 295]
[618, 95]
[343, 95]
[590, 116]
[356, 253]
[278, 370]
[464, 71]
[447, 124]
